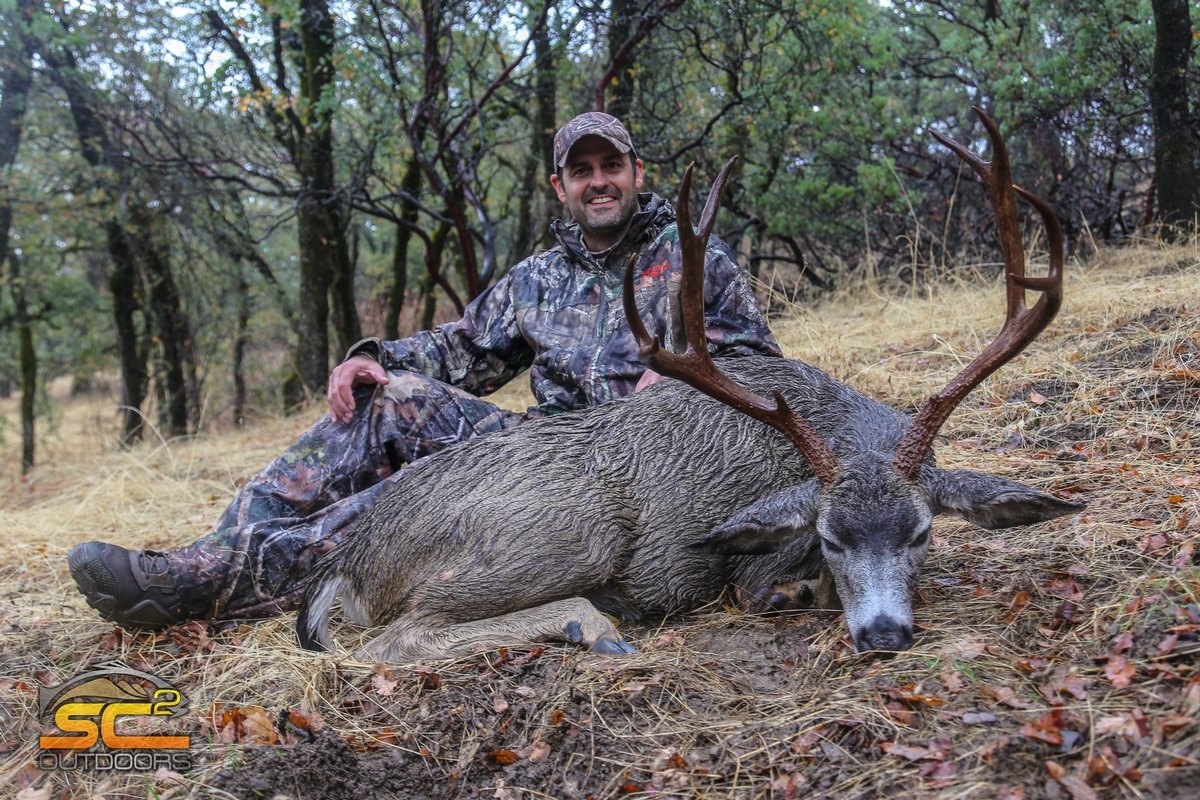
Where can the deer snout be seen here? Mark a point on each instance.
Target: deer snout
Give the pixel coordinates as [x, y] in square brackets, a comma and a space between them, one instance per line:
[884, 633]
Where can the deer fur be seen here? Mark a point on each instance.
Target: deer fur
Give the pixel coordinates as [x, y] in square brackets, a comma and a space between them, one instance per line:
[642, 507]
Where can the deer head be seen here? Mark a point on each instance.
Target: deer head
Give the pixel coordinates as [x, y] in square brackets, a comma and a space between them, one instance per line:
[871, 511]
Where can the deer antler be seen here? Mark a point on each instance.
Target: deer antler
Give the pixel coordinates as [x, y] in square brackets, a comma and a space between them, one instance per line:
[1021, 324]
[695, 366]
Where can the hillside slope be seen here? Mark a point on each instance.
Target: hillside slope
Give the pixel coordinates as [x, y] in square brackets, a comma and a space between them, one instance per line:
[1053, 661]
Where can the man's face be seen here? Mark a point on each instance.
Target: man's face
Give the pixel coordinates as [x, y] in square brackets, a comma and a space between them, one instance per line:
[599, 186]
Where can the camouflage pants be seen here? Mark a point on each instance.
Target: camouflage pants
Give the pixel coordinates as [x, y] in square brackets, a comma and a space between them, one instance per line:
[306, 501]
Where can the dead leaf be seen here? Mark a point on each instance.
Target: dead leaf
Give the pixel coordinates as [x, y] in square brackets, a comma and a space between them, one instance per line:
[988, 751]
[539, 751]
[1063, 682]
[1122, 643]
[804, 743]
[27, 775]
[525, 691]
[383, 686]
[1019, 602]
[499, 704]
[1074, 786]
[903, 714]
[429, 679]
[1167, 645]
[1139, 720]
[1047, 728]
[304, 722]
[1172, 724]
[1106, 725]
[164, 775]
[977, 718]
[913, 753]
[1036, 399]
[676, 761]
[1151, 544]
[502, 758]
[940, 775]
[965, 650]
[911, 694]
[1033, 664]
[664, 641]
[952, 680]
[257, 727]
[1119, 671]
[1005, 695]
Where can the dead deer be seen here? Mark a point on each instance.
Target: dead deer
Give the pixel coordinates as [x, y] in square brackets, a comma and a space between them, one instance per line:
[656, 503]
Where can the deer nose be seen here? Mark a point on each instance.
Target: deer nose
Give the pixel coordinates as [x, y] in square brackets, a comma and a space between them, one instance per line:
[885, 633]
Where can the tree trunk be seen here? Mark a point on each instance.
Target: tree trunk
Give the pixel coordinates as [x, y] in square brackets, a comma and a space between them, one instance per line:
[430, 307]
[619, 30]
[239, 348]
[169, 321]
[539, 165]
[1175, 146]
[28, 361]
[543, 137]
[322, 247]
[122, 285]
[13, 95]
[411, 185]
[526, 236]
[343, 310]
[96, 149]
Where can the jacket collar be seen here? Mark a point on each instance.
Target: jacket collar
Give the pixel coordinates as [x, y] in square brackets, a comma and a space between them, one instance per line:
[646, 225]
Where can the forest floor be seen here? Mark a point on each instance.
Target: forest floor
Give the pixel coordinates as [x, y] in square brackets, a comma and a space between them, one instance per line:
[1054, 661]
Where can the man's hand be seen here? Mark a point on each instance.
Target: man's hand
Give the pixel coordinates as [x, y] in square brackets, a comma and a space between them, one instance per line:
[648, 377]
[345, 376]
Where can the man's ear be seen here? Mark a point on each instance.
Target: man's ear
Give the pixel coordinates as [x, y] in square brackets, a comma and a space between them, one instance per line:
[988, 501]
[556, 182]
[765, 526]
[639, 175]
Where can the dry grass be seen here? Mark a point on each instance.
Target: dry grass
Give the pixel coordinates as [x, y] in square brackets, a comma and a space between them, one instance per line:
[1022, 630]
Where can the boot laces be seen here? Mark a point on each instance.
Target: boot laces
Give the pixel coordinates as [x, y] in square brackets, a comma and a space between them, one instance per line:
[152, 562]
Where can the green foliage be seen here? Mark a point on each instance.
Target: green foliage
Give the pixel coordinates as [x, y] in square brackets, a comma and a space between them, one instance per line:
[829, 104]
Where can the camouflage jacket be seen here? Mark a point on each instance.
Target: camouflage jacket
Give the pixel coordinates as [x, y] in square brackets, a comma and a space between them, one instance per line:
[559, 312]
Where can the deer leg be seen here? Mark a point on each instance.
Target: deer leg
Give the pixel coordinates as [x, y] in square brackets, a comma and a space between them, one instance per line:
[825, 594]
[778, 597]
[572, 620]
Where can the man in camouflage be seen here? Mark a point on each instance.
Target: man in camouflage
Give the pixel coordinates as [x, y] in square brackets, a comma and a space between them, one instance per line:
[559, 313]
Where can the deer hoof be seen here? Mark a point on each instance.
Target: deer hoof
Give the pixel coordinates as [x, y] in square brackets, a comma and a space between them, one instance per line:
[613, 647]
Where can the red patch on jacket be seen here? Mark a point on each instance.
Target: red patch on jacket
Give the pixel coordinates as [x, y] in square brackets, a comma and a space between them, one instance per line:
[653, 272]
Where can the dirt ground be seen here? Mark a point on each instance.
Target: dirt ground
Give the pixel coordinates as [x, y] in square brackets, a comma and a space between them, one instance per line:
[1055, 661]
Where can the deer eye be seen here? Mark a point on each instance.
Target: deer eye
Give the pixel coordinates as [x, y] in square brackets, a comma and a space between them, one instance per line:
[920, 539]
[833, 546]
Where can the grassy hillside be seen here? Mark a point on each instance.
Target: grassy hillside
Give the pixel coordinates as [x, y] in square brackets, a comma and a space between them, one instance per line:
[1053, 661]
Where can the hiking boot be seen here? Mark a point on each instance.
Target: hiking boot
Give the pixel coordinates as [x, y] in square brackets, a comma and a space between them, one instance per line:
[135, 589]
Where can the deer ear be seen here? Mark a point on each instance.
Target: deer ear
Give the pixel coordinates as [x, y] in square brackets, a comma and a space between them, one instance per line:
[767, 525]
[988, 501]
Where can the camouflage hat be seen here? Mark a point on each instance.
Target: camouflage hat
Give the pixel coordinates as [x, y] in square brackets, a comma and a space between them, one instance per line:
[592, 123]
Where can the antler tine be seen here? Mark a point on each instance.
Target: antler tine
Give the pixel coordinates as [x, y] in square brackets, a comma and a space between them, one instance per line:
[1021, 324]
[695, 366]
